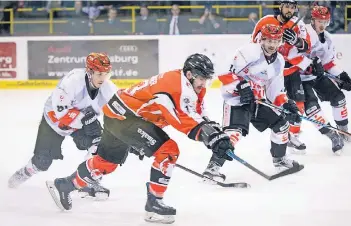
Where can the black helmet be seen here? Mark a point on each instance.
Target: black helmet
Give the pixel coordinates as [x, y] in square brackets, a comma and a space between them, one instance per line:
[199, 65]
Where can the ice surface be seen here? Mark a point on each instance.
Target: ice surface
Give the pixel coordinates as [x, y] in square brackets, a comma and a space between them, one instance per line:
[317, 196]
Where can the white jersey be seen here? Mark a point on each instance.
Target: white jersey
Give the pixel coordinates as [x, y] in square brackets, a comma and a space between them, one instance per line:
[324, 51]
[64, 109]
[266, 78]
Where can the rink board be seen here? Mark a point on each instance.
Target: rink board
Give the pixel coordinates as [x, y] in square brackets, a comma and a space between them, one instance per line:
[39, 62]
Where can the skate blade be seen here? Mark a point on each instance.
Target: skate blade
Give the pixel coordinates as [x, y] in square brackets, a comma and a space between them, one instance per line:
[156, 218]
[99, 196]
[54, 194]
[208, 180]
[295, 151]
[338, 153]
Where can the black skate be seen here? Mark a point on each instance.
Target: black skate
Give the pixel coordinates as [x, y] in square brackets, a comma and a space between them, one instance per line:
[337, 141]
[157, 211]
[60, 191]
[96, 191]
[286, 166]
[212, 172]
[344, 136]
[297, 147]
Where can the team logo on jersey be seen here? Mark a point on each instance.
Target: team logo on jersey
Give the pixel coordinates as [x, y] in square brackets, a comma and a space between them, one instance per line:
[151, 140]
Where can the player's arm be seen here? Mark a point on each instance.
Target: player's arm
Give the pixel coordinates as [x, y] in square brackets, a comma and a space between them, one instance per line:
[63, 111]
[67, 115]
[329, 65]
[233, 84]
[275, 92]
[298, 37]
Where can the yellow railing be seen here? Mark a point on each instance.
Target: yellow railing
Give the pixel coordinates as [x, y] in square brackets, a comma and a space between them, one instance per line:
[133, 9]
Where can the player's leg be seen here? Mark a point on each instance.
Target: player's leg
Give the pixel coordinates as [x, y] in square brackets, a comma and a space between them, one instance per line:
[111, 152]
[327, 90]
[47, 148]
[314, 111]
[236, 121]
[267, 118]
[294, 89]
[145, 137]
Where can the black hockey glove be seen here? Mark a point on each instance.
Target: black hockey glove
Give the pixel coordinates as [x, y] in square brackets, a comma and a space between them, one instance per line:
[137, 152]
[83, 141]
[220, 143]
[317, 68]
[346, 84]
[294, 111]
[290, 37]
[91, 124]
[245, 92]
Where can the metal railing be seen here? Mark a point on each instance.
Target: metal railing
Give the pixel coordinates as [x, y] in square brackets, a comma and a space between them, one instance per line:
[51, 21]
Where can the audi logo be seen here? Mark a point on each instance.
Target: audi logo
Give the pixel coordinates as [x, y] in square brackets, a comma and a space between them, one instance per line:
[128, 48]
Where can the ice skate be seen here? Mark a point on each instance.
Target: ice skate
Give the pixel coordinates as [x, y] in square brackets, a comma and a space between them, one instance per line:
[95, 191]
[344, 136]
[157, 211]
[212, 172]
[337, 141]
[295, 145]
[283, 163]
[18, 178]
[60, 191]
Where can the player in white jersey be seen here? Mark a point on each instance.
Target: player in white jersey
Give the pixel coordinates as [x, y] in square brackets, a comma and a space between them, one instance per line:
[71, 110]
[323, 53]
[257, 73]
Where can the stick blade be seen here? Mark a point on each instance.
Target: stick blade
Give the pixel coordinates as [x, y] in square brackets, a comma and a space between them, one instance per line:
[287, 172]
[234, 185]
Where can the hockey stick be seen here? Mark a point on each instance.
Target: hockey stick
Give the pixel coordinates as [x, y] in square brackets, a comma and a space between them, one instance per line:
[338, 80]
[225, 185]
[305, 118]
[272, 177]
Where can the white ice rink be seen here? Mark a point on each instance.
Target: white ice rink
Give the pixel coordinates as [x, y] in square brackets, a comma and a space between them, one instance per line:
[320, 195]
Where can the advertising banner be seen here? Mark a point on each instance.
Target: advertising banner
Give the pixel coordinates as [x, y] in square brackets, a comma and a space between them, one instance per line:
[8, 60]
[131, 59]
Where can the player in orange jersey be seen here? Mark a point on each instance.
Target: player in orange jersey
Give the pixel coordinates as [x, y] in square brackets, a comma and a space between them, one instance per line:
[296, 43]
[134, 119]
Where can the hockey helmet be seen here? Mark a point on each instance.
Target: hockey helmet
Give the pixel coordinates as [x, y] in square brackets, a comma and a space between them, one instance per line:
[271, 31]
[199, 65]
[320, 13]
[98, 62]
[293, 2]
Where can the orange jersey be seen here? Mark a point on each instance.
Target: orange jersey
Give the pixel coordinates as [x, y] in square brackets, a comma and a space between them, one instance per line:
[292, 55]
[164, 99]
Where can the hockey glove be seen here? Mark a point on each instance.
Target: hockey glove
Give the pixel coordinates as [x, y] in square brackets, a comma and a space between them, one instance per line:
[245, 92]
[83, 141]
[290, 37]
[317, 68]
[294, 111]
[91, 124]
[220, 144]
[346, 84]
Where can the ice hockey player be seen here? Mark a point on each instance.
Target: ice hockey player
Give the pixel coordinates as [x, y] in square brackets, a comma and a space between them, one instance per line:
[71, 110]
[256, 73]
[296, 42]
[323, 53]
[135, 117]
